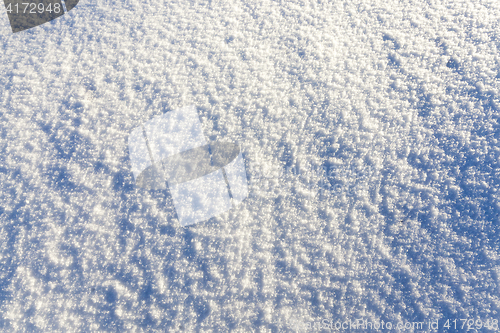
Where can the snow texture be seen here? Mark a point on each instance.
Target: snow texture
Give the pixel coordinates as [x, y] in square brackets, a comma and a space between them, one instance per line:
[369, 130]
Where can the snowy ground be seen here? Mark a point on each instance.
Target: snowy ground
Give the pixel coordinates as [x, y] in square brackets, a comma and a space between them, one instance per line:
[370, 131]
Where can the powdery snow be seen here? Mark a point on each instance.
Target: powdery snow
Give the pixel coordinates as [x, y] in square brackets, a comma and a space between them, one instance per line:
[370, 133]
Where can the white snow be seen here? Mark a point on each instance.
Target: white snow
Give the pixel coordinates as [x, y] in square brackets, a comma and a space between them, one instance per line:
[370, 132]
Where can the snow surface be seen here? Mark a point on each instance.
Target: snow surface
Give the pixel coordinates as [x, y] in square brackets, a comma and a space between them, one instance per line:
[370, 131]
